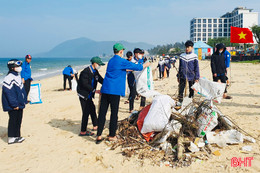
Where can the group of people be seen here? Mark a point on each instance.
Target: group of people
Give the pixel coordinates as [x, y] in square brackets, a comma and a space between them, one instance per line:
[16, 88]
[164, 66]
[113, 87]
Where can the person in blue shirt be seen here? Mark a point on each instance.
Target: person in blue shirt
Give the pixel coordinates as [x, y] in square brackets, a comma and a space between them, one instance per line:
[67, 74]
[26, 74]
[113, 87]
[86, 89]
[227, 56]
[14, 100]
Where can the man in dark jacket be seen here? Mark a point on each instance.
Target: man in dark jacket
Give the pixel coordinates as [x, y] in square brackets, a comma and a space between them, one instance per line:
[131, 83]
[86, 90]
[218, 66]
[188, 70]
[13, 100]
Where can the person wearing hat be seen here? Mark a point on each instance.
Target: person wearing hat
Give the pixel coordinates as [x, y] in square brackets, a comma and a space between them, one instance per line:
[218, 66]
[86, 89]
[67, 74]
[14, 100]
[188, 71]
[139, 58]
[113, 87]
[26, 74]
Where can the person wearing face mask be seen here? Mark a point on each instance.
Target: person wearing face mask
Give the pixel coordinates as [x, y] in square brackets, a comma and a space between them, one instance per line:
[138, 58]
[86, 89]
[14, 100]
[113, 87]
[218, 66]
[26, 74]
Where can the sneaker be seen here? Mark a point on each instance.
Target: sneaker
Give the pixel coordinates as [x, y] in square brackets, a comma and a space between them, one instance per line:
[20, 139]
[178, 104]
[13, 140]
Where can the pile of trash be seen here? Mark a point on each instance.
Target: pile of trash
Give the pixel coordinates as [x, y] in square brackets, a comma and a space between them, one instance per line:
[177, 138]
[173, 135]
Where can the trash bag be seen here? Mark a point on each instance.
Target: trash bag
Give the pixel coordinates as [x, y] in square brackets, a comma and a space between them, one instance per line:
[35, 94]
[144, 83]
[140, 122]
[74, 84]
[159, 114]
[207, 119]
[209, 89]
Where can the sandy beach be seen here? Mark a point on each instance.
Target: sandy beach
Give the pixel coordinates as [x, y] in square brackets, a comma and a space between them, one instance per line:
[51, 130]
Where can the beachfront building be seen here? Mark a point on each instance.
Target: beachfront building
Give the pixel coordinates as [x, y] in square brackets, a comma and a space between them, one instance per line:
[201, 29]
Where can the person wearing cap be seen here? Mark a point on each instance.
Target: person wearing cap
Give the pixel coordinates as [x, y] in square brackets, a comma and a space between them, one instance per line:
[86, 89]
[26, 74]
[188, 71]
[218, 66]
[113, 87]
[14, 100]
[67, 74]
[138, 58]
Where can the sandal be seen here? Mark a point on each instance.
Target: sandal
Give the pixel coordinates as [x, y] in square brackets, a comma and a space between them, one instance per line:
[228, 97]
[98, 141]
[88, 133]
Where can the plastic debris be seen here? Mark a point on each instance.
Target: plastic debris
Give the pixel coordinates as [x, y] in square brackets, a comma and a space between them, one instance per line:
[216, 153]
[193, 148]
[225, 137]
[247, 148]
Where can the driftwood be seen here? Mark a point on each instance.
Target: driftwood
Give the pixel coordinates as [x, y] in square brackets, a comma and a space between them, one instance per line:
[180, 147]
[184, 121]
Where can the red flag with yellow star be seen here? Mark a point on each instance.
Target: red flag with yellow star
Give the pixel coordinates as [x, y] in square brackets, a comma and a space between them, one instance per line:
[241, 35]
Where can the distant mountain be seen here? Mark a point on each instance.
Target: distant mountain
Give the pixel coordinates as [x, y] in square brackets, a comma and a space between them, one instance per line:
[84, 47]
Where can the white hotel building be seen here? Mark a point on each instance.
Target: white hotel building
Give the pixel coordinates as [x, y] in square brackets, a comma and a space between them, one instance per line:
[201, 29]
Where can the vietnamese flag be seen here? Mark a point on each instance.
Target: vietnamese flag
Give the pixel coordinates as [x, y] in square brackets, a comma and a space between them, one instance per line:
[241, 35]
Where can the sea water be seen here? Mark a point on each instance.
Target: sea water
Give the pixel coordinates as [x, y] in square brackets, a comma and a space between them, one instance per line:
[47, 67]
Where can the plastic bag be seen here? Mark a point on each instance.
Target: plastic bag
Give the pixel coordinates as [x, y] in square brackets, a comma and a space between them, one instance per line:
[159, 114]
[144, 83]
[225, 137]
[74, 84]
[35, 94]
[209, 89]
[207, 120]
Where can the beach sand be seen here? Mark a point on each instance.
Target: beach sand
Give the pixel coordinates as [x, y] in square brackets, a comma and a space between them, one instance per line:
[51, 130]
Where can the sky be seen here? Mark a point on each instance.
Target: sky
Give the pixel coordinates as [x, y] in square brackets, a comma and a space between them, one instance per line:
[35, 26]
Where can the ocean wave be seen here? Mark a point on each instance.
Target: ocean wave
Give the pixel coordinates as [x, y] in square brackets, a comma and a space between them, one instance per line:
[43, 69]
[1, 74]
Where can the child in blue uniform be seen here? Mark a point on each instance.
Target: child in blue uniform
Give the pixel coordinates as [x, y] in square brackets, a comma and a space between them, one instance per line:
[14, 99]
